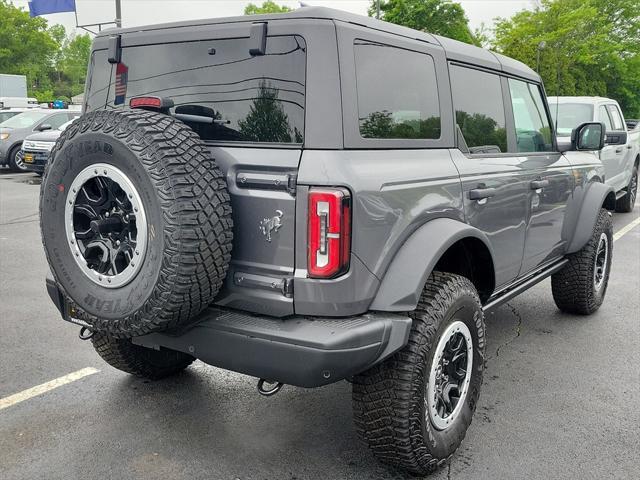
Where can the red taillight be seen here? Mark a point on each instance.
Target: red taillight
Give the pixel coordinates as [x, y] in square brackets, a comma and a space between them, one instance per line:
[329, 233]
[159, 103]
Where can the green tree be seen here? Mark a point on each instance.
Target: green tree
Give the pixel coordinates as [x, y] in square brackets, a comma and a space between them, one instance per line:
[267, 7]
[591, 47]
[27, 46]
[440, 17]
[267, 121]
[73, 62]
[382, 125]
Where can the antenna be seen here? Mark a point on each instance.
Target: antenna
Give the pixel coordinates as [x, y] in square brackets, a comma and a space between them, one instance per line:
[557, 96]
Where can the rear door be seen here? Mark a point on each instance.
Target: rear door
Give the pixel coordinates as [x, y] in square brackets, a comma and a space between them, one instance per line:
[494, 182]
[625, 151]
[250, 109]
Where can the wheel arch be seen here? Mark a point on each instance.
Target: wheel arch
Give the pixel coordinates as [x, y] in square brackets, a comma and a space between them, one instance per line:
[597, 196]
[441, 244]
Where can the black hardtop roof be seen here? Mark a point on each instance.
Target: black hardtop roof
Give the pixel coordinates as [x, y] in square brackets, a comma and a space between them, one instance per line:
[455, 50]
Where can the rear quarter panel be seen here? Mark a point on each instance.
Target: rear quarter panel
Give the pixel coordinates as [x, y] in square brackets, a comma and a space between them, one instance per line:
[394, 193]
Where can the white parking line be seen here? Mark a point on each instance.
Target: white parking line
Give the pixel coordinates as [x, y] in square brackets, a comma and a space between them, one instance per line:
[626, 229]
[7, 402]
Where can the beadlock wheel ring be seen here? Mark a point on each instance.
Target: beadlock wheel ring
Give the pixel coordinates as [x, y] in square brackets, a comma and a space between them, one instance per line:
[450, 375]
[106, 225]
[601, 262]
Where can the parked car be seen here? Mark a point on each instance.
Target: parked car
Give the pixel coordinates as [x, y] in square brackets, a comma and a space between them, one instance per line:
[317, 196]
[36, 148]
[7, 113]
[18, 102]
[14, 130]
[621, 155]
[632, 123]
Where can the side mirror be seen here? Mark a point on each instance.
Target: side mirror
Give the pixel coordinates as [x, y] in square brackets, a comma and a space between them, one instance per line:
[44, 126]
[615, 138]
[588, 136]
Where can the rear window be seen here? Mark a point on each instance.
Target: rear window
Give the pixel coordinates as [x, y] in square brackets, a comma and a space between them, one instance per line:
[569, 115]
[220, 90]
[397, 92]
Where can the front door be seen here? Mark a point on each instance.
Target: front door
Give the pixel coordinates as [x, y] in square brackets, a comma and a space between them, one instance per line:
[495, 185]
[549, 175]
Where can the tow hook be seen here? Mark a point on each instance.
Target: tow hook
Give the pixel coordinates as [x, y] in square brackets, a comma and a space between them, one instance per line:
[268, 392]
[85, 334]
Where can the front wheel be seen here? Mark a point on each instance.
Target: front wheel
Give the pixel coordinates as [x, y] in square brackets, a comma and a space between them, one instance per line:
[414, 409]
[581, 285]
[16, 163]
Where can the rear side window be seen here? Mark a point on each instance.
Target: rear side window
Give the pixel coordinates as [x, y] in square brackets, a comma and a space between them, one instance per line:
[56, 120]
[603, 116]
[477, 99]
[533, 129]
[397, 92]
[616, 117]
[98, 83]
[221, 91]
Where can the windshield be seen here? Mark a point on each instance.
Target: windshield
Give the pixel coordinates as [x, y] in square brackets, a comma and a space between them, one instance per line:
[7, 115]
[24, 119]
[569, 116]
[66, 124]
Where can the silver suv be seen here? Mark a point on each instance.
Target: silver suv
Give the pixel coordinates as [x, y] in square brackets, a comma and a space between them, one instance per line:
[318, 196]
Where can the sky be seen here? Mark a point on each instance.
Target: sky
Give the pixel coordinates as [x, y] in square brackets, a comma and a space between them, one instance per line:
[146, 12]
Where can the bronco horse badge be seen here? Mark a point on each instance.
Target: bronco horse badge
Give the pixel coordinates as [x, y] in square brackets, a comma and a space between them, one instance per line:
[273, 224]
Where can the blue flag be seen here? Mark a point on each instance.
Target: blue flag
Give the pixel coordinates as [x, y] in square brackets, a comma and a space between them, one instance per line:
[44, 7]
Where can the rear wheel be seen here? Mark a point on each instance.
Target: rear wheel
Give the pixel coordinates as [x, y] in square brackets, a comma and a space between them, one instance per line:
[581, 285]
[140, 361]
[626, 203]
[413, 409]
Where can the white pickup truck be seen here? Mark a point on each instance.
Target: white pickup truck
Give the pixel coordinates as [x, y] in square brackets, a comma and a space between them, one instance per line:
[621, 154]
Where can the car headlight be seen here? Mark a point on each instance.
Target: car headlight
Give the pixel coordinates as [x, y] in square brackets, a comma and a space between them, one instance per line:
[4, 136]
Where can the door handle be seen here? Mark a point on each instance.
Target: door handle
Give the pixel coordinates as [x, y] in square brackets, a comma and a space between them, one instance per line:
[538, 184]
[481, 193]
[619, 150]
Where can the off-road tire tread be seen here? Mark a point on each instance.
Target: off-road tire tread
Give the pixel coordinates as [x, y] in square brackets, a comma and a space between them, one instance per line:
[384, 397]
[196, 210]
[572, 287]
[139, 361]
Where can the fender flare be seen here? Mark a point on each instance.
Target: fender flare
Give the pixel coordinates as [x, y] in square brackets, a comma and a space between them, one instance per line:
[593, 200]
[409, 270]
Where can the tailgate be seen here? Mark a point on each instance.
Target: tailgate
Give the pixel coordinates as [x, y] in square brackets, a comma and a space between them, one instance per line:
[261, 183]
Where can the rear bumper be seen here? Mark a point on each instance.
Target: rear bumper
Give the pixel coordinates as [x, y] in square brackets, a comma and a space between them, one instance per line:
[301, 351]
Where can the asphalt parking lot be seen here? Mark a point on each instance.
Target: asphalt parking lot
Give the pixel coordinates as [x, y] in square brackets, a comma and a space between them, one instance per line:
[560, 398]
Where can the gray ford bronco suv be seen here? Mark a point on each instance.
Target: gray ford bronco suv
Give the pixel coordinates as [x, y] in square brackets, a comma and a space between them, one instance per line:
[318, 196]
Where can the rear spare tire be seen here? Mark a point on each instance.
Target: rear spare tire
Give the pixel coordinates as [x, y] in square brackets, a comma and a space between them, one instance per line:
[136, 221]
